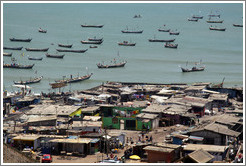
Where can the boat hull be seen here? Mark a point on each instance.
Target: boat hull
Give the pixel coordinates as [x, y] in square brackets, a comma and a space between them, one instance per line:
[74, 51]
[76, 79]
[18, 66]
[55, 56]
[12, 48]
[35, 80]
[20, 40]
[111, 66]
[64, 45]
[37, 49]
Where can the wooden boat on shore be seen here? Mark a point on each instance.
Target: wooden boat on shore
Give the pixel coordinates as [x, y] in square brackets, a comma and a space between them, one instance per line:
[115, 65]
[160, 40]
[12, 48]
[20, 40]
[74, 51]
[220, 85]
[91, 42]
[95, 39]
[7, 54]
[173, 33]
[75, 79]
[217, 29]
[237, 25]
[57, 85]
[31, 81]
[37, 49]
[65, 45]
[17, 66]
[54, 56]
[91, 26]
[126, 43]
[170, 45]
[42, 30]
[35, 58]
[215, 21]
[193, 19]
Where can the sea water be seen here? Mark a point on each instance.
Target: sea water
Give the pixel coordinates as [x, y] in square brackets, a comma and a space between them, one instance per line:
[220, 52]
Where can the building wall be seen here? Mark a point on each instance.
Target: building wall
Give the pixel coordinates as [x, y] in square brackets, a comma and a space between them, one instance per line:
[217, 139]
[154, 157]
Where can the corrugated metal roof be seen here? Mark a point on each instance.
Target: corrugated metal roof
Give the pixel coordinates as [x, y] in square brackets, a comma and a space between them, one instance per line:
[158, 149]
[208, 148]
[201, 156]
[26, 137]
[72, 141]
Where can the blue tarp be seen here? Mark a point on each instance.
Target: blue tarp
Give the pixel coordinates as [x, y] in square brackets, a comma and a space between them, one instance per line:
[72, 137]
[95, 140]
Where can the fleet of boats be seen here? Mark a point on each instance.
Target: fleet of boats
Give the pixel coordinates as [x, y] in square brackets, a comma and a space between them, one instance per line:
[113, 64]
[31, 81]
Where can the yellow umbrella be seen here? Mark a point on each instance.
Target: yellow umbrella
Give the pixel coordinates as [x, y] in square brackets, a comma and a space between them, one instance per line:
[135, 157]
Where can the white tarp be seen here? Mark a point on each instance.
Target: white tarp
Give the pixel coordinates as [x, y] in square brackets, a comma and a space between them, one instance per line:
[22, 86]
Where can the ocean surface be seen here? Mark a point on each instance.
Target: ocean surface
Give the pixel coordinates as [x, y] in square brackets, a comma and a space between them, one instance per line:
[220, 52]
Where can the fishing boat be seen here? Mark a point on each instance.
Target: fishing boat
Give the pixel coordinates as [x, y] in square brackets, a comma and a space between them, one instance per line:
[198, 17]
[17, 66]
[160, 40]
[57, 85]
[65, 45]
[35, 58]
[137, 16]
[217, 29]
[126, 43]
[37, 49]
[215, 21]
[131, 31]
[12, 48]
[193, 19]
[91, 26]
[95, 39]
[93, 46]
[74, 51]
[75, 79]
[214, 15]
[20, 40]
[194, 68]
[7, 54]
[173, 33]
[42, 30]
[91, 42]
[163, 30]
[31, 81]
[237, 25]
[170, 45]
[220, 85]
[112, 65]
[54, 56]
